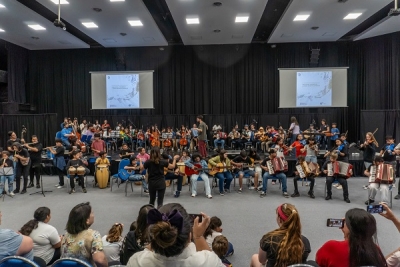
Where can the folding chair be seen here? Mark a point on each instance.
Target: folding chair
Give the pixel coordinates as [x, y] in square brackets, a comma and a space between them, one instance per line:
[70, 262]
[132, 179]
[390, 195]
[121, 166]
[17, 261]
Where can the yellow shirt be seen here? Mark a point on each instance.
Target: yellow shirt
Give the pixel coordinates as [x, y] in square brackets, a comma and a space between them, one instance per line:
[102, 161]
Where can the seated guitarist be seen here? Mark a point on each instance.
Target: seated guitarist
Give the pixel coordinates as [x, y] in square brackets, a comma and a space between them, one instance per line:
[198, 165]
[173, 174]
[125, 152]
[222, 164]
[243, 162]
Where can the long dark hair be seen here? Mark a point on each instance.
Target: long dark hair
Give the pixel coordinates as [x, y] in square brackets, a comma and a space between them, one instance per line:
[77, 218]
[214, 223]
[155, 154]
[40, 215]
[141, 224]
[362, 239]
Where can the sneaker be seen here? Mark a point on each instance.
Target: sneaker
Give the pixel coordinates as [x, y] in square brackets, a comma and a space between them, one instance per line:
[397, 196]
[240, 190]
[296, 194]
[365, 187]
[335, 185]
[177, 193]
[11, 194]
[84, 190]
[72, 191]
[16, 191]
[339, 187]
[263, 194]
[251, 187]
[311, 194]
[60, 186]
[328, 197]
[221, 193]
[30, 185]
[37, 185]
[146, 191]
[369, 201]
[193, 195]
[209, 196]
[57, 185]
[23, 191]
[285, 194]
[306, 183]
[347, 200]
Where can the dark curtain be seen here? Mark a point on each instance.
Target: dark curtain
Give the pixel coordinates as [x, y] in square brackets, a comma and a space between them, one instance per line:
[387, 122]
[17, 73]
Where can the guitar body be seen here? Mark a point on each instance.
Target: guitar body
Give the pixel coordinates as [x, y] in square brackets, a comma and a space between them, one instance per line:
[217, 168]
[190, 171]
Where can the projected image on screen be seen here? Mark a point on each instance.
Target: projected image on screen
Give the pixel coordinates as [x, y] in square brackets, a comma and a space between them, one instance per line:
[314, 89]
[122, 91]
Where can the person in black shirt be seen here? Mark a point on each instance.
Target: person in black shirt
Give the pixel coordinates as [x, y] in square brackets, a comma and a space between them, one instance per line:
[329, 179]
[125, 152]
[59, 161]
[35, 152]
[341, 150]
[296, 193]
[155, 169]
[76, 162]
[173, 174]
[324, 128]
[13, 138]
[369, 148]
[21, 155]
[243, 161]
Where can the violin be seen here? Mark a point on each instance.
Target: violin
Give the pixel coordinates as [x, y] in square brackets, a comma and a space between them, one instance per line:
[183, 141]
[140, 136]
[156, 140]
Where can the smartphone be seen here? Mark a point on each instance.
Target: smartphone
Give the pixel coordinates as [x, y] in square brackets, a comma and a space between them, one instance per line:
[335, 223]
[193, 216]
[375, 208]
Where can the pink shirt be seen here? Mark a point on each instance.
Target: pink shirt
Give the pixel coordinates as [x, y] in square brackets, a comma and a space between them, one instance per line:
[98, 145]
[144, 157]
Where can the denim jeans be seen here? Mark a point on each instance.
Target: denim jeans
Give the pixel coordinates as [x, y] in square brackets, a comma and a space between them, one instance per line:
[3, 179]
[219, 142]
[224, 176]
[311, 159]
[280, 176]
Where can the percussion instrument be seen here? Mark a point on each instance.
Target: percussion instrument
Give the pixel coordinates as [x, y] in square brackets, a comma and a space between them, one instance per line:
[80, 170]
[72, 171]
[384, 174]
[102, 175]
[372, 174]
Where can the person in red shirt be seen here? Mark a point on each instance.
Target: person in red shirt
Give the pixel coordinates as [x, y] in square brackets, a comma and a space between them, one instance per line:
[98, 145]
[299, 145]
[359, 247]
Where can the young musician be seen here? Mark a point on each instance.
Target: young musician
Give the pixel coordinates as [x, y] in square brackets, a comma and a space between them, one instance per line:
[218, 140]
[195, 135]
[234, 138]
[35, 152]
[329, 179]
[277, 175]
[141, 139]
[202, 136]
[296, 193]
[103, 160]
[83, 127]
[341, 150]
[173, 173]
[243, 162]
[261, 138]
[59, 161]
[225, 176]
[343, 137]
[324, 128]
[98, 145]
[299, 145]
[311, 150]
[335, 134]
[66, 133]
[7, 167]
[246, 136]
[125, 152]
[294, 128]
[369, 148]
[155, 169]
[105, 126]
[13, 139]
[375, 186]
[134, 169]
[196, 159]
[256, 160]
[21, 156]
[389, 156]
[76, 162]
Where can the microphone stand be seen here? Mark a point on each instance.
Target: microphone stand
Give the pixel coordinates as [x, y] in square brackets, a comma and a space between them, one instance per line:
[41, 166]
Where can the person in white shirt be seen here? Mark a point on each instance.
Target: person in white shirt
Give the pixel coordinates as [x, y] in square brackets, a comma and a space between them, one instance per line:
[171, 234]
[214, 230]
[46, 240]
[112, 243]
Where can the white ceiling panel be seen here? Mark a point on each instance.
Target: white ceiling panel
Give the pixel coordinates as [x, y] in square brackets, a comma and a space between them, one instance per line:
[327, 15]
[214, 18]
[14, 20]
[111, 21]
[388, 25]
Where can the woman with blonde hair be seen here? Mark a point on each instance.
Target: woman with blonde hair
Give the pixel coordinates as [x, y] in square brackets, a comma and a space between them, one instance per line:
[112, 242]
[369, 148]
[283, 246]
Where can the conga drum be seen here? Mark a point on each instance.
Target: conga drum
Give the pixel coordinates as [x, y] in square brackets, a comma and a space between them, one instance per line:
[102, 175]
[181, 167]
[80, 170]
[72, 171]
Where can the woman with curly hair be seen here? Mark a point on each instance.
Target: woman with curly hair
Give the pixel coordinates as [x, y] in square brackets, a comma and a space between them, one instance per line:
[283, 246]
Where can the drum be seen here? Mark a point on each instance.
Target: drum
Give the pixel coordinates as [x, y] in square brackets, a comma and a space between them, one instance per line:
[181, 167]
[102, 175]
[80, 170]
[72, 171]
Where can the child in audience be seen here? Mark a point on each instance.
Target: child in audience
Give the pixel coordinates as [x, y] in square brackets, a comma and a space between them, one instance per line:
[213, 230]
[220, 247]
[112, 242]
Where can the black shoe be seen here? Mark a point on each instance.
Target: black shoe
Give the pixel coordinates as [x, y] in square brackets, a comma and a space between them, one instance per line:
[177, 193]
[23, 191]
[16, 191]
[37, 185]
[397, 196]
[311, 194]
[347, 200]
[295, 194]
[369, 201]
[72, 191]
[328, 197]
[84, 190]
[30, 185]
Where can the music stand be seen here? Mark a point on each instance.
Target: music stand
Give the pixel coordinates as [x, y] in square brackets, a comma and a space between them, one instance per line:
[41, 167]
[4, 172]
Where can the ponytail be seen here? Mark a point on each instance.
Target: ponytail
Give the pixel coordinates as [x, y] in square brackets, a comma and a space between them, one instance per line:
[40, 215]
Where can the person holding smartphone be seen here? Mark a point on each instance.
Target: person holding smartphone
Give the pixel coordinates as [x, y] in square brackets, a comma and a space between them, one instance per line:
[393, 258]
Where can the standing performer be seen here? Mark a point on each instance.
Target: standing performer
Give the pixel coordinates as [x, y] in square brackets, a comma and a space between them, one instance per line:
[325, 130]
[59, 161]
[155, 169]
[335, 135]
[98, 145]
[369, 148]
[294, 129]
[21, 156]
[298, 145]
[35, 152]
[7, 166]
[13, 138]
[202, 136]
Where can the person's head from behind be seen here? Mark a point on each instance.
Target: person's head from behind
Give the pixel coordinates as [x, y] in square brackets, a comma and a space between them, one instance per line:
[141, 221]
[220, 246]
[155, 154]
[169, 229]
[360, 230]
[115, 232]
[41, 214]
[80, 218]
[215, 225]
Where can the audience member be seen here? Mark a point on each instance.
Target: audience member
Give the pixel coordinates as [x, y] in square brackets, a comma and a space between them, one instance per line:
[393, 258]
[81, 242]
[359, 247]
[286, 245]
[137, 238]
[112, 243]
[171, 231]
[220, 247]
[46, 240]
[214, 230]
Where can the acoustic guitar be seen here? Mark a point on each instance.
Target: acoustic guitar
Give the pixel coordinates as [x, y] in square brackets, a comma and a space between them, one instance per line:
[218, 168]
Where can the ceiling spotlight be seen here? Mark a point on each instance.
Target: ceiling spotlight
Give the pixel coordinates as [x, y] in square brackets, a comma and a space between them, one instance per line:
[123, 34]
[217, 4]
[62, 2]
[192, 21]
[89, 25]
[242, 19]
[217, 30]
[96, 9]
[161, 48]
[2, 6]
[35, 38]
[135, 22]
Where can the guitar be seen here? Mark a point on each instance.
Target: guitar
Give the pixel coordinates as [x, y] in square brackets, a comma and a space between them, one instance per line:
[196, 170]
[218, 168]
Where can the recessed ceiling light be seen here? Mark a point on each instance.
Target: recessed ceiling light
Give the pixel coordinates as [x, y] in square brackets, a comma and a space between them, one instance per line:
[242, 19]
[36, 27]
[89, 25]
[117, 0]
[352, 16]
[192, 21]
[301, 17]
[1, 30]
[62, 2]
[2, 6]
[135, 22]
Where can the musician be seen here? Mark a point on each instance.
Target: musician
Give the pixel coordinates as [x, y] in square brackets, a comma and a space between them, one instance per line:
[234, 139]
[202, 130]
[172, 175]
[35, 152]
[134, 169]
[324, 128]
[224, 176]
[294, 129]
[311, 150]
[272, 135]
[182, 137]
[243, 162]
[8, 175]
[105, 125]
[98, 145]
[278, 175]
[83, 127]
[125, 152]
[59, 161]
[298, 145]
[218, 140]
[140, 139]
[341, 150]
[256, 160]
[335, 132]
[90, 132]
[374, 186]
[387, 152]
[66, 133]
[21, 156]
[65, 121]
[76, 162]
[369, 148]
[12, 139]
[246, 136]
[343, 137]
[301, 160]
[261, 138]
[195, 135]
[195, 163]
[329, 179]
[96, 125]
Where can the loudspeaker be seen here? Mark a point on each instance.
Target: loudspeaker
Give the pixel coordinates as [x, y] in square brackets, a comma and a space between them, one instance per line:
[314, 57]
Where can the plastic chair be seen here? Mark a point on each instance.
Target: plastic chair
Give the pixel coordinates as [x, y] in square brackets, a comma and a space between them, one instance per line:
[132, 179]
[17, 261]
[70, 262]
[121, 165]
[58, 135]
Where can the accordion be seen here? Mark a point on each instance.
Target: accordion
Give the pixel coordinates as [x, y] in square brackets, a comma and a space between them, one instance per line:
[339, 168]
[303, 169]
[314, 168]
[384, 174]
[372, 174]
[277, 164]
